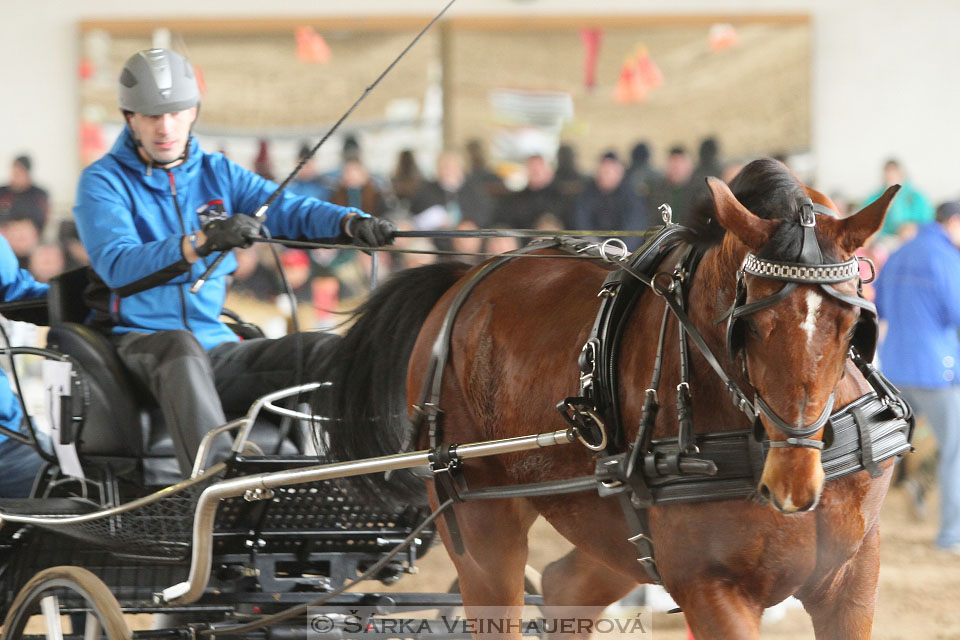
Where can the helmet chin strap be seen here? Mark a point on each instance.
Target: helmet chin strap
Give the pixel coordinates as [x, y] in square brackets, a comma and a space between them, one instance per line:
[152, 162]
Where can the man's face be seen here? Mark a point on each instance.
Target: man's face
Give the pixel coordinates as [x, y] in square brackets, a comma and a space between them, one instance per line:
[679, 168]
[539, 173]
[609, 174]
[19, 177]
[163, 138]
[952, 227]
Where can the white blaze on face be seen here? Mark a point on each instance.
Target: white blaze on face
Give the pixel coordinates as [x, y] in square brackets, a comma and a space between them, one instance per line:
[809, 323]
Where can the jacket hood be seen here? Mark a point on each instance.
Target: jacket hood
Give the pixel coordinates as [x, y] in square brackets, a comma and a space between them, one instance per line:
[124, 151]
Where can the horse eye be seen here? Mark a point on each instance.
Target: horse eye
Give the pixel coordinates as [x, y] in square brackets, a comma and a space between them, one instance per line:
[752, 328]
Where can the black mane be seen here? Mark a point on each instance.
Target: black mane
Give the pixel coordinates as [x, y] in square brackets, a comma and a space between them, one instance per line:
[769, 190]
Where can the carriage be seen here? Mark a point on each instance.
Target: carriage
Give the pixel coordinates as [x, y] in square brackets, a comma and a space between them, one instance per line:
[270, 530]
[247, 546]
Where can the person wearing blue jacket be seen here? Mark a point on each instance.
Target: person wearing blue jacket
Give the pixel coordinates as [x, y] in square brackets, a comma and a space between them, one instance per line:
[19, 462]
[153, 214]
[918, 294]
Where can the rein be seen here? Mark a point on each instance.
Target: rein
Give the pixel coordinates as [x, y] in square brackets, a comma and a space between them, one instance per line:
[519, 233]
[584, 255]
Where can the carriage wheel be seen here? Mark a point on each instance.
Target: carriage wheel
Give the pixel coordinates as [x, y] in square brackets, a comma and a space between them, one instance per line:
[61, 592]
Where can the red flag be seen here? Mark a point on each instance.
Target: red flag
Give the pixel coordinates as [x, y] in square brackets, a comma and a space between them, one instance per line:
[639, 75]
[311, 47]
[590, 38]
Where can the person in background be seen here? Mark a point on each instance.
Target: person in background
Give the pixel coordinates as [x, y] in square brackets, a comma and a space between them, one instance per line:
[608, 203]
[23, 200]
[296, 266]
[450, 198]
[252, 278]
[75, 256]
[19, 462]
[523, 209]
[46, 261]
[263, 163]
[910, 209]
[356, 189]
[154, 214]
[675, 189]
[308, 182]
[708, 164]
[406, 180]
[349, 150]
[23, 237]
[569, 183]
[642, 175]
[481, 175]
[918, 295]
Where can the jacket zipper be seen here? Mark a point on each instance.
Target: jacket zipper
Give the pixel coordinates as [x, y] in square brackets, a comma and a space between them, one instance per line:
[183, 229]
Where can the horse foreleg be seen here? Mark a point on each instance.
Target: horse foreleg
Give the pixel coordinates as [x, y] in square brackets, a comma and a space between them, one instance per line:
[578, 579]
[718, 610]
[842, 606]
[579, 586]
[491, 569]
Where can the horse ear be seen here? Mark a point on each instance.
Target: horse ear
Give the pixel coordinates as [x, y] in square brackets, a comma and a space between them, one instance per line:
[852, 233]
[752, 230]
[819, 198]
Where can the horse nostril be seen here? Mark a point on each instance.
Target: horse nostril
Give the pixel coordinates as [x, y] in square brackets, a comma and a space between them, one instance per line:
[765, 492]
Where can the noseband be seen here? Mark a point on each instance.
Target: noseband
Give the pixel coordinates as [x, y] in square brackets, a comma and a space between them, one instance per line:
[808, 269]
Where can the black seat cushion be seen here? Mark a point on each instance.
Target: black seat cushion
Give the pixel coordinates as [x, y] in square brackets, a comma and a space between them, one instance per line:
[113, 422]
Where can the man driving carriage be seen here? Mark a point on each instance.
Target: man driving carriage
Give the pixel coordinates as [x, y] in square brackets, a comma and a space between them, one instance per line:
[153, 214]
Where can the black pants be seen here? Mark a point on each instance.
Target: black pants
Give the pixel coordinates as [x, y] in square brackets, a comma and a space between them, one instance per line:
[196, 388]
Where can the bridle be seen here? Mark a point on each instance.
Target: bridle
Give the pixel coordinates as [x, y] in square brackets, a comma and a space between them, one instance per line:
[808, 269]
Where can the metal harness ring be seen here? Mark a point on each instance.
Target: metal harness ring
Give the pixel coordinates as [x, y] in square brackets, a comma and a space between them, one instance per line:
[617, 243]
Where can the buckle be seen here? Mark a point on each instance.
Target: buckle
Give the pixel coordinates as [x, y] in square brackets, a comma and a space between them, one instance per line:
[805, 209]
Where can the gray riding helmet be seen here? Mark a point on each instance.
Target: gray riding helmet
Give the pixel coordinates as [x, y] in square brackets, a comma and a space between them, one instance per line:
[157, 81]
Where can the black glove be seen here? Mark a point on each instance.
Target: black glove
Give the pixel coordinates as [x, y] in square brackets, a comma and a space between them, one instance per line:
[222, 235]
[371, 232]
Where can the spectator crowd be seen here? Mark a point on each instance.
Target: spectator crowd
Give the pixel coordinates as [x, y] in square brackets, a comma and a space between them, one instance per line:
[462, 191]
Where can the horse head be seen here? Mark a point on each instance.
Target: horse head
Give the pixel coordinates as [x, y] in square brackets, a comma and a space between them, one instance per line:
[796, 311]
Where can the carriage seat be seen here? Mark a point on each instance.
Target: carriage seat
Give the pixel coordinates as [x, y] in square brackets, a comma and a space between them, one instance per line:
[121, 423]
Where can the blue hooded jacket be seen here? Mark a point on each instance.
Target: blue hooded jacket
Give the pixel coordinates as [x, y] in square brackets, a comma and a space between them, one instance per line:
[132, 219]
[15, 284]
[918, 294]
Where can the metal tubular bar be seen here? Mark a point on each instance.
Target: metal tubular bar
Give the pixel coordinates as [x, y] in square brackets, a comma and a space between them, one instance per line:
[266, 401]
[199, 463]
[202, 552]
[113, 511]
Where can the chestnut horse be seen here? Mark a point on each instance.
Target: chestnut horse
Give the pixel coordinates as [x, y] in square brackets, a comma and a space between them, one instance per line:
[513, 356]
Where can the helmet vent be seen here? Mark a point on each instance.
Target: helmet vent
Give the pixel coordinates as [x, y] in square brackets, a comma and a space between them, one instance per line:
[127, 79]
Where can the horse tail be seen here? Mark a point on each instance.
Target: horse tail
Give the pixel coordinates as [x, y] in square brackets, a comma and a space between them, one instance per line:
[367, 405]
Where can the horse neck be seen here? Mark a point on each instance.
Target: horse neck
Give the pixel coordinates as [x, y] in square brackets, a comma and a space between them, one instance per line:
[709, 293]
